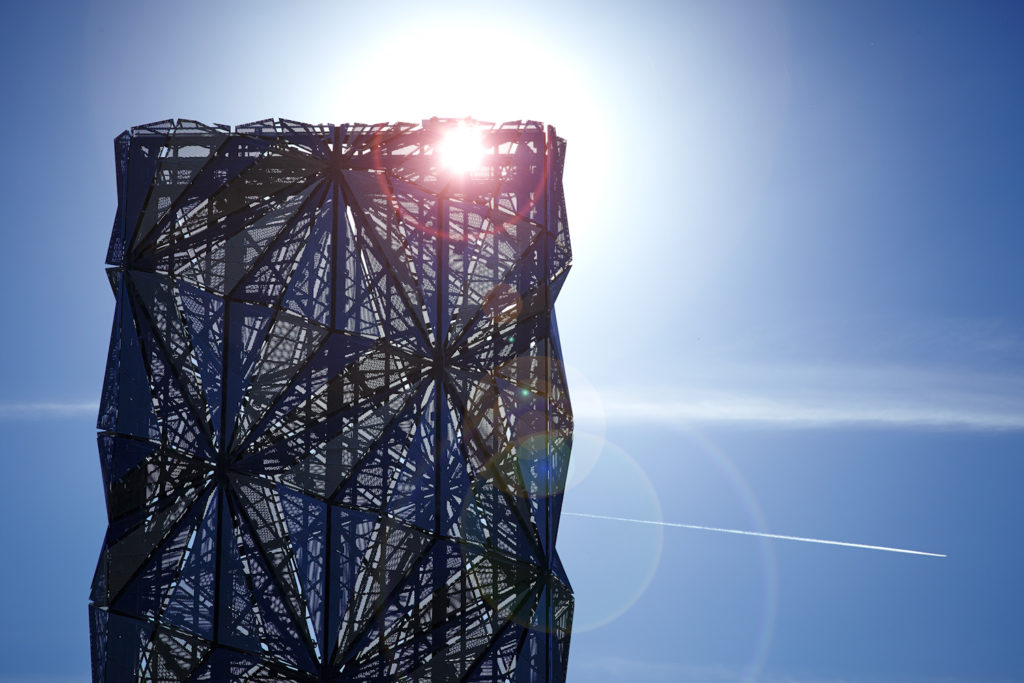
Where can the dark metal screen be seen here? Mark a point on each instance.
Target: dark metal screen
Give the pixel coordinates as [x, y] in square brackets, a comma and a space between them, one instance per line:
[334, 429]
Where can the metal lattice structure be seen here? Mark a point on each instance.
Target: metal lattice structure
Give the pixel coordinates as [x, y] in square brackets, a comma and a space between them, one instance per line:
[334, 429]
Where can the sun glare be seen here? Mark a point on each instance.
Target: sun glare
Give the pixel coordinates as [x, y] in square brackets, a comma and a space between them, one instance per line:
[462, 148]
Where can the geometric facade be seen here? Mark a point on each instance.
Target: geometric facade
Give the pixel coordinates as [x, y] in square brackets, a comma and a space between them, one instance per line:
[334, 429]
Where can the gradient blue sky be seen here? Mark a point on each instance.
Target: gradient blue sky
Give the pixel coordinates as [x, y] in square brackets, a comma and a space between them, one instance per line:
[797, 303]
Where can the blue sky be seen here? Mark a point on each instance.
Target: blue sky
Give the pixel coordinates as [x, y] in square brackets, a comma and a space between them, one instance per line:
[797, 303]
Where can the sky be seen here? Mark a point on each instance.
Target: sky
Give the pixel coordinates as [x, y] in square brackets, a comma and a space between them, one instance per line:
[796, 305]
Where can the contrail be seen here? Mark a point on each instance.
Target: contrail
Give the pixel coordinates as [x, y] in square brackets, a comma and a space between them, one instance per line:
[758, 533]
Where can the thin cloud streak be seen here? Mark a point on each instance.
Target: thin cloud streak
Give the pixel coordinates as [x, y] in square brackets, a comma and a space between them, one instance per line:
[740, 532]
[38, 411]
[811, 396]
[797, 413]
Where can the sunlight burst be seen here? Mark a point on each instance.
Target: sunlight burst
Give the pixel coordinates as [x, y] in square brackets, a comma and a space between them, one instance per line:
[462, 148]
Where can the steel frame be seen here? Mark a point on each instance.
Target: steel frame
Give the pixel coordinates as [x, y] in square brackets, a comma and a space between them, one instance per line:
[334, 429]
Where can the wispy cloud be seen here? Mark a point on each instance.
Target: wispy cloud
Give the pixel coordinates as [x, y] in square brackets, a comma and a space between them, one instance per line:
[809, 413]
[760, 534]
[817, 396]
[40, 411]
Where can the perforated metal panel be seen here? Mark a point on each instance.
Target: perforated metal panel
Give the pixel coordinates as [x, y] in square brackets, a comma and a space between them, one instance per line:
[334, 430]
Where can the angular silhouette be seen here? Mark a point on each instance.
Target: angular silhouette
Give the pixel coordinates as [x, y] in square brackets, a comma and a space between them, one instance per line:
[334, 430]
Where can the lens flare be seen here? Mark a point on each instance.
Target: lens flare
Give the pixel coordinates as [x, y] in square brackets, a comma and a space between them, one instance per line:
[624, 576]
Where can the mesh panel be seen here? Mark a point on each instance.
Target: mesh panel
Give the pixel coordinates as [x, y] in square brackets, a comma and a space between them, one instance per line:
[334, 428]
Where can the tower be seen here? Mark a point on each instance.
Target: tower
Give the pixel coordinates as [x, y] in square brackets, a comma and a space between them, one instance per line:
[334, 429]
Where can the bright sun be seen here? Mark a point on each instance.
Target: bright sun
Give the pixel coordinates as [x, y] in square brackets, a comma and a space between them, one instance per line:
[462, 148]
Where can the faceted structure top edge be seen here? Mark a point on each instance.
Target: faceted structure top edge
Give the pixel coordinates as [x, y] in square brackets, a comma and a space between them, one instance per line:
[279, 127]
